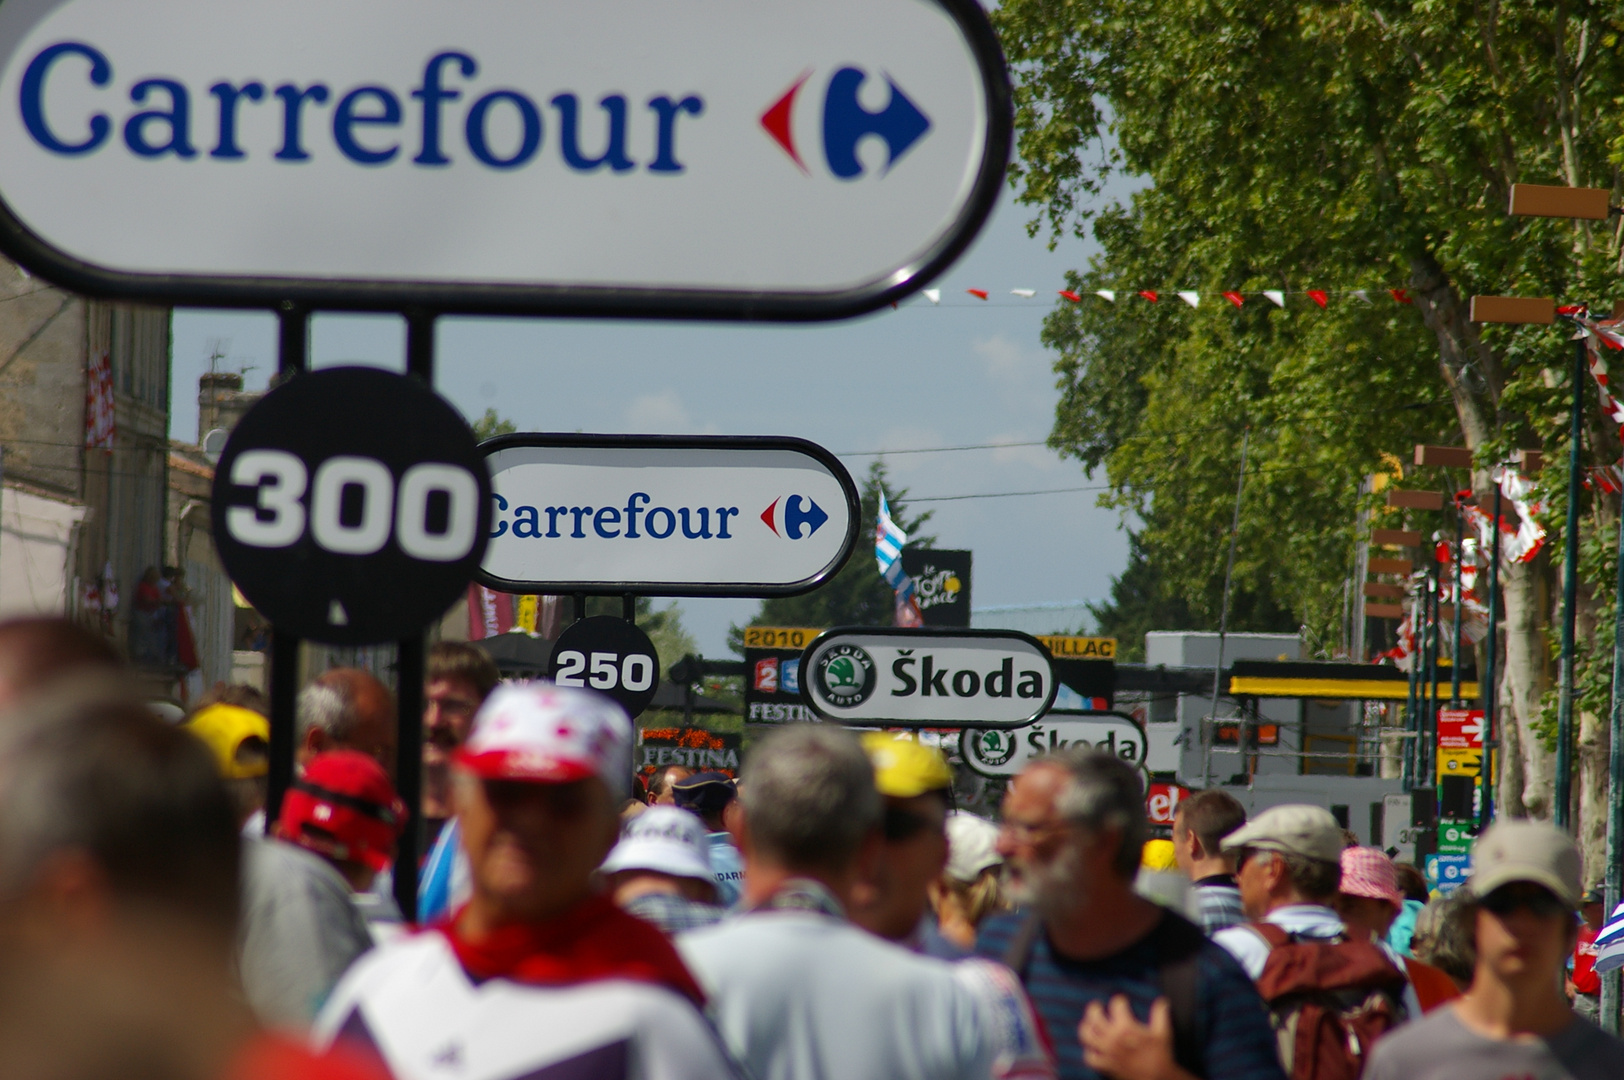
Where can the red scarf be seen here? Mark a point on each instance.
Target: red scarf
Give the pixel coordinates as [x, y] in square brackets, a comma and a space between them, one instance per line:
[593, 940]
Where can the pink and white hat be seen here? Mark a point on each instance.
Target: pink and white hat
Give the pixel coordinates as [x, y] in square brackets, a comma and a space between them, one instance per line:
[1367, 871]
[547, 734]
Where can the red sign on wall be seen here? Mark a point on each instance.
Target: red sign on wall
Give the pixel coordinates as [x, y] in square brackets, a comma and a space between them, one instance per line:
[1161, 800]
[1460, 729]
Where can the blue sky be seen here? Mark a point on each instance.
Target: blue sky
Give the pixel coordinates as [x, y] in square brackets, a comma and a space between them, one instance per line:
[924, 376]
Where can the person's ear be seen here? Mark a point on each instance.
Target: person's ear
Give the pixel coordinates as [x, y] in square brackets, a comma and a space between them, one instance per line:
[738, 825]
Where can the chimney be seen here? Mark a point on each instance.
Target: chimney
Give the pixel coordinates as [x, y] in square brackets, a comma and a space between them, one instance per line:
[221, 401]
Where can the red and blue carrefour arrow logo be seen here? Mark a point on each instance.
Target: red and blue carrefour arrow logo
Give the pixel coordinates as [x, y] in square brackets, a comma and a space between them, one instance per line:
[787, 517]
[846, 123]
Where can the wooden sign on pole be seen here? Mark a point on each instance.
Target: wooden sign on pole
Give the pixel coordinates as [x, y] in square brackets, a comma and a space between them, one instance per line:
[1518, 310]
[1544, 200]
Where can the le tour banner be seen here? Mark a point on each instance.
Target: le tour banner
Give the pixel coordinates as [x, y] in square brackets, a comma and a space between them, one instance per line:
[927, 678]
[666, 515]
[779, 159]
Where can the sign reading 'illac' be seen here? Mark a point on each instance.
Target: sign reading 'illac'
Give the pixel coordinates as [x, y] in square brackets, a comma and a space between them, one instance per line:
[668, 515]
[927, 678]
[792, 159]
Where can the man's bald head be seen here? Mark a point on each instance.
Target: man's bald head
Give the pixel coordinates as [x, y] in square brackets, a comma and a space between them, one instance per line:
[348, 709]
[37, 651]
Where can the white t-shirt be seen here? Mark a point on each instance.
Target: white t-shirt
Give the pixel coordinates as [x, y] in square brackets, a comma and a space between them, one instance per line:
[412, 1003]
[801, 995]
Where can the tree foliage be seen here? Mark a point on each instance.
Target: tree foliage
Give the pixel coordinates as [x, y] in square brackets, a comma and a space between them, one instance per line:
[1366, 144]
[490, 425]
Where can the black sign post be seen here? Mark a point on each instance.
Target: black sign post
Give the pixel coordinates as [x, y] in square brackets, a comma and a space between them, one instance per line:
[352, 506]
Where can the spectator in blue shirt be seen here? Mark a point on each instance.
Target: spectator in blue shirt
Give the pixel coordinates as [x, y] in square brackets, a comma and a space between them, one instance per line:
[1126, 989]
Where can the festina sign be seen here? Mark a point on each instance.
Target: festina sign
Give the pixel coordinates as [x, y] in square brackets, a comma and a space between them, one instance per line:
[781, 159]
[927, 678]
[666, 515]
[1005, 753]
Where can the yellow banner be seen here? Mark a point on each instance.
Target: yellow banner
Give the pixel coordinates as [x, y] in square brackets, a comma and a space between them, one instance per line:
[779, 637]
[1063, 647]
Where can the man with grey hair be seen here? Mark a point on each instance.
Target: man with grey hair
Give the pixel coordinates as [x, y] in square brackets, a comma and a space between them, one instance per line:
[797, 991]
[1126, 989]
[347, 709]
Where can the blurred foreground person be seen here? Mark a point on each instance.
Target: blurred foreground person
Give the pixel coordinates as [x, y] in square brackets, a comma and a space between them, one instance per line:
[1155, 998]
[709, 795]
[661, 872]
[916, 785]
[1200, 824]
[118, 904]
[969, 889]
[1514, 1020]
[302, 925]
[537, 975]
[457, 680]
[37, 651]
[798, 992]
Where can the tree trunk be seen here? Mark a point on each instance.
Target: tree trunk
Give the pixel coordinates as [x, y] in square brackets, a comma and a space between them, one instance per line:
[1527, 653]
[1592, 817]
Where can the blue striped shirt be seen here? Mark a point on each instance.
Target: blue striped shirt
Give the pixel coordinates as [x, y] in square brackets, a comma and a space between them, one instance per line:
[1232, 1024]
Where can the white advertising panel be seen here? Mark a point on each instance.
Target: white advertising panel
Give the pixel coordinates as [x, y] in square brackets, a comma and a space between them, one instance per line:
[666, 515]
[927, 678]
[1005, 753]
[731, 158]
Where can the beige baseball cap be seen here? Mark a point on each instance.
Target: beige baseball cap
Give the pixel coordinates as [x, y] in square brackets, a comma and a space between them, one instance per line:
[1517, 849]
[1296, 829]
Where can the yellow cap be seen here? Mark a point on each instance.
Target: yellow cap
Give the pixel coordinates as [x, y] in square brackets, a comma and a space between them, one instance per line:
[224, 728]
[1158, 855]
[903, 767]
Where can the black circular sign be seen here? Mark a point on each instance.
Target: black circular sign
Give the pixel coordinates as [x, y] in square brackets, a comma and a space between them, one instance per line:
[609, 655]
[845, 676]
[351, 506]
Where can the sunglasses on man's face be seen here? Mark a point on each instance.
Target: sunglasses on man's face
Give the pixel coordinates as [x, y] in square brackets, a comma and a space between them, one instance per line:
[1539, 902]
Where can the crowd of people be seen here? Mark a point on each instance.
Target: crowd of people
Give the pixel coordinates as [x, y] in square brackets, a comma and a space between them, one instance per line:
[829, 913]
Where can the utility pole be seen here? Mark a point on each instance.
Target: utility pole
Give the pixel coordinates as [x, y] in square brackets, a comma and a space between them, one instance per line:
[1223, 614]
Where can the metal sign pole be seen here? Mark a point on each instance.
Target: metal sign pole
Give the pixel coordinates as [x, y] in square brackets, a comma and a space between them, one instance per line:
[1489, 688]
[293, 327]
[1570, 593]
[1454, 646]
[1613, 981]
[409, 676]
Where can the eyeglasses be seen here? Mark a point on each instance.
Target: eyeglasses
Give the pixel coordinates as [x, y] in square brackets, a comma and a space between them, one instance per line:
[1028, 833]
[1540, 902]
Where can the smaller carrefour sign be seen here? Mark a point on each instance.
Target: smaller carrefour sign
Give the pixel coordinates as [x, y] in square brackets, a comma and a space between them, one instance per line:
[927, 678]
[666, 515]
[1004, 753]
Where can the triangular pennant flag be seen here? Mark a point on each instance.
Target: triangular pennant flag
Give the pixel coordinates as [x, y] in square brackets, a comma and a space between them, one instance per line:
[1571, 309]
[1235, 298]
[1028, 293]
[1069, 295]
[1150, 294]
[1108, 295]
[1319, 296]
[1362, 294]
[933, 295]
[979, 294]
[1276, 296]
[1191, 298]
[1401, 295]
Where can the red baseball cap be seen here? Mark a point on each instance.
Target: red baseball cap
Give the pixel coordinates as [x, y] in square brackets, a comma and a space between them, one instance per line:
[344, 807]
[548, 734]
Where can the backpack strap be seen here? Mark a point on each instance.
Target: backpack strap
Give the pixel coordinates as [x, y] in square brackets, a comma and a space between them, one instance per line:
[1018, 955]
[1178, 943]
[1273, 936]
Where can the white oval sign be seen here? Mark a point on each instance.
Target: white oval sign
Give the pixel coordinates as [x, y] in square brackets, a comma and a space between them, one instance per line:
[927, 678]
[666, 514]
[992, 752]
[729, 158]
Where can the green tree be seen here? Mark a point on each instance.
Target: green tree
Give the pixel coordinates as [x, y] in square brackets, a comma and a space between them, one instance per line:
[856, 595]
[490, 425]
[1301, 145]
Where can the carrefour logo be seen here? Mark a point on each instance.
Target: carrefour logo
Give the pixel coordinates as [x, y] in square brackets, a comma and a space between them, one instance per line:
[900, 124]
[794, 517]
[640, 516]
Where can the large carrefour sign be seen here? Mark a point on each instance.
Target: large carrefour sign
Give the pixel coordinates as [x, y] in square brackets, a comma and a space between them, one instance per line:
[667, 515]
[715, 158]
